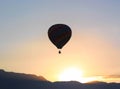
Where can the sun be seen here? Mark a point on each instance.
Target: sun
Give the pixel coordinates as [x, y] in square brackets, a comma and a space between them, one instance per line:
[71, 74]
[75, 74]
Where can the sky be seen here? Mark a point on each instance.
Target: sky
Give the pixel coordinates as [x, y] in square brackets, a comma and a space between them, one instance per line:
[94, 47]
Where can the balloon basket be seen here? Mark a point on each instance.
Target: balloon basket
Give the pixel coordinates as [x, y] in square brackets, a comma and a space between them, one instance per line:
[59, 52]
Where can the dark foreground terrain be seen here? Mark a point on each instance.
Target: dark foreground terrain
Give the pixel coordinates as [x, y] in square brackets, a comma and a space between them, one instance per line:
[11, 80]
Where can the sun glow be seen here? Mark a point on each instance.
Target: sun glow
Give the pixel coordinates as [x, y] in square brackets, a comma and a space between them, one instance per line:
[71, 74]
[74, 74]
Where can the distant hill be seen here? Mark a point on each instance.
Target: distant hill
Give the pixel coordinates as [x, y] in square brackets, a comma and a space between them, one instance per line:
[77, 85]
[13, 75]
[11, 80]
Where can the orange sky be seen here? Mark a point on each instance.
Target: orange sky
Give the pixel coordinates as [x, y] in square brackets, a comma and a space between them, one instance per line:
[42, 58]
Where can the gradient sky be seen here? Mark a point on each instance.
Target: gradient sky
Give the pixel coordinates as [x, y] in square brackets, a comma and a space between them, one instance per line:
[94, 47]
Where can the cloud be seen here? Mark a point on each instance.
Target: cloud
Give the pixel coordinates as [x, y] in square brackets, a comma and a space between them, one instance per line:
[111, 76]
[106, 78]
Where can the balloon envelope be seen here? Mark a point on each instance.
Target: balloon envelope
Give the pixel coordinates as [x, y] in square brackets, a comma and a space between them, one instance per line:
[59, 34]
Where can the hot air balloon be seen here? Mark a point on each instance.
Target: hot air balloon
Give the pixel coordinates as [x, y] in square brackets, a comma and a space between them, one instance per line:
[59, 35]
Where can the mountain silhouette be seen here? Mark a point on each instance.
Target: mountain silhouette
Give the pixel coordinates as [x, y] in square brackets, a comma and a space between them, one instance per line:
[12, 80]
[13, 75]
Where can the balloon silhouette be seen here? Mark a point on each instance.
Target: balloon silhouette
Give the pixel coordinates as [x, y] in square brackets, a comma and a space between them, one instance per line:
[59, 35]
